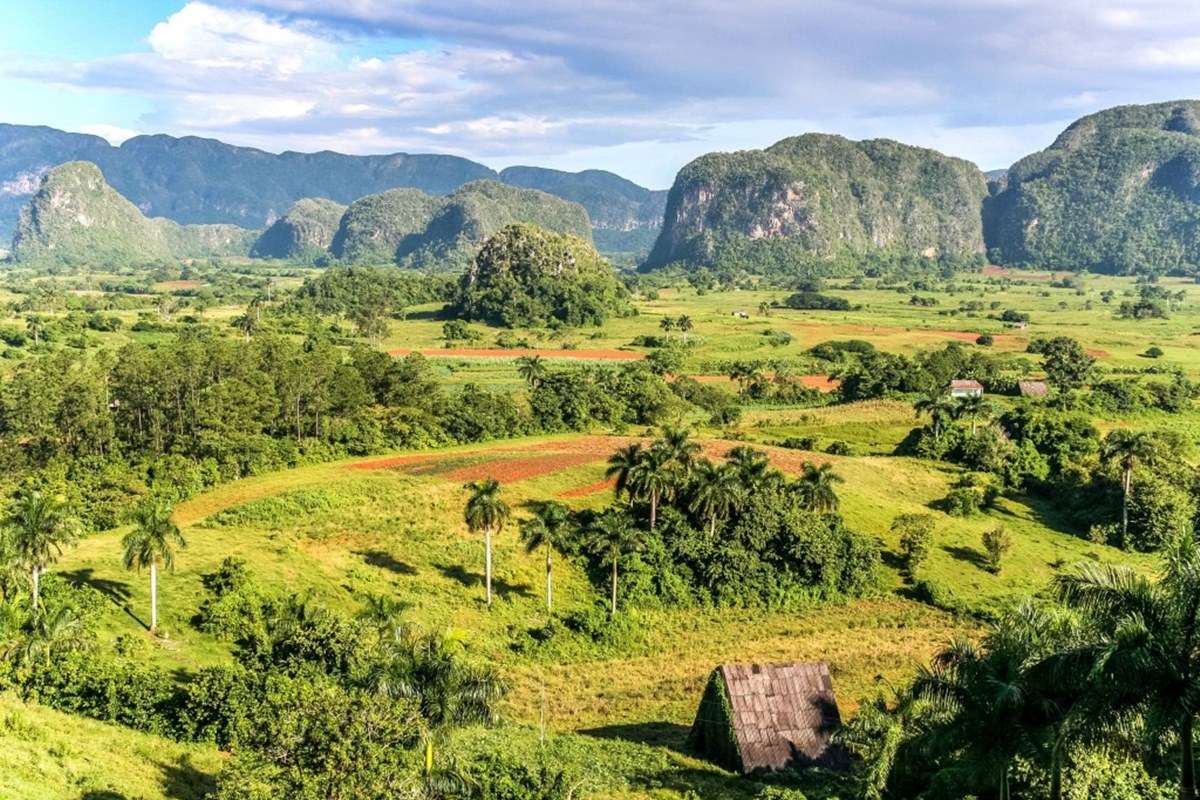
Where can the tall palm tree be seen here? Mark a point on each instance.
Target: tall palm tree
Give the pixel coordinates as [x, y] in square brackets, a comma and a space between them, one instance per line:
[40, 529]
[654, 479]
[551, 528]
[486, 512]
[1142, 653]
[611, 535]
[621, 465]
[46, 636]
[753, 467]
[680, 448]
[532, 370]
[816, 487]
[448, 692]
[973, 408]
[1125, 449]
[667, 324]
[717, 492]
[153, 541]
[685, 324]
[939, 406]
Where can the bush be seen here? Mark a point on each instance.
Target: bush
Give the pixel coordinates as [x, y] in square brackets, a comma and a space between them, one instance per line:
[815, 301]
[838, 448]
[985, 340]
[916, 538]
[1153, 352]
[996, 542]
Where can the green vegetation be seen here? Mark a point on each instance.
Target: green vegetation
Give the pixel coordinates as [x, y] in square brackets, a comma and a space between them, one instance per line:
[524, 276]
[1115, 192]
[304, 233]
[76, 218]
[825, 195]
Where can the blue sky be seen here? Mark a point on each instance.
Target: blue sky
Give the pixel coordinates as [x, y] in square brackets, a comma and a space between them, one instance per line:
[634, 86]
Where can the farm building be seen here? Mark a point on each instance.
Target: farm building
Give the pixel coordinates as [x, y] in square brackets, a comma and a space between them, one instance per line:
[1032, 388]
[768, 716]
[966, 389]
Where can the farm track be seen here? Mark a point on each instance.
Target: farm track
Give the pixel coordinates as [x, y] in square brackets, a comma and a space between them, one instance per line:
[519, 352]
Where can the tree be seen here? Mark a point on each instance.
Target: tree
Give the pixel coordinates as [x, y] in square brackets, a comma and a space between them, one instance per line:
[1125, 449]
[532, 370]
[973, 408]
[621, 465]
[716, 493]
[611, 535]
[939, 406]
[816, 488]
[550, 527]
[40, 529]
[996, 542]
[679, 446]
[916, 538]
[430, 671]
[753, 468]
[685, 325]
[486, 512]
[653, 479]
[764, 309]
[1067, 364]
[153, 541]
[1141, 654]
[386, 615]
[667, 324]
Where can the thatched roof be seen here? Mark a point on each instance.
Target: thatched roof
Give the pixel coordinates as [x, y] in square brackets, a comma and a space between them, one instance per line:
[966, 385]
[1032, 388]
[774, 716]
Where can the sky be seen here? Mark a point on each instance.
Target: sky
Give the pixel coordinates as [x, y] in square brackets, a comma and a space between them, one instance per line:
[637, 87]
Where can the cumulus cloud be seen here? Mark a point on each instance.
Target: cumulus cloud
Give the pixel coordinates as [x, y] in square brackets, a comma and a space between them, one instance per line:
[545, 79]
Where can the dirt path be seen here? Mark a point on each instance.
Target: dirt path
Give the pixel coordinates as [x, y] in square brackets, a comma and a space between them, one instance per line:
[519, 352]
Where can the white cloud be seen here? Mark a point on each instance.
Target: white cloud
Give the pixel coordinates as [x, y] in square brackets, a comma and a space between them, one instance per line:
[114, 134]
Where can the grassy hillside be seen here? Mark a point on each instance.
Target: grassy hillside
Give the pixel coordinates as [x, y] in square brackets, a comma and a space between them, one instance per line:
[305, 232]
[48, 755]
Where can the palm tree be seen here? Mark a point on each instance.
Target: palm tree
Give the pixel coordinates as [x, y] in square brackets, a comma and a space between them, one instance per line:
[973, 408]
[684, 323]
[717, 492]
[551, 528]
[611, 535]
[40, 529]
[1142, 653]
[621, 465]
[532, 370]
[153, 541]
[939, 406]
[386, 615]
[447, 691]
[667, 324]
[653, 479]
[46, 636]
[753, 467]
[680, 448]
[13, 578]
[486, 512]
[764, 309]
[816, 488]
[1125, 449]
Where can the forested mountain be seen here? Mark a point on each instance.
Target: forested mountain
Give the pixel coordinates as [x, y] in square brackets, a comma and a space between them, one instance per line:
[304, 232]
[195, 180]
[625, 217]
[1117, 191]
[425, 232]
[76, 217]
[822, 194]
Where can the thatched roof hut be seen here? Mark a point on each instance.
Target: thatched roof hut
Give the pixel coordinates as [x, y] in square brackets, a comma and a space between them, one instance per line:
[768, 716]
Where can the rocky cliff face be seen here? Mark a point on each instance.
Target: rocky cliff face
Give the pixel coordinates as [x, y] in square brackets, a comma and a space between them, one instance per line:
[826, 195]
[304, 233]
[1117, 191]
[75, 217]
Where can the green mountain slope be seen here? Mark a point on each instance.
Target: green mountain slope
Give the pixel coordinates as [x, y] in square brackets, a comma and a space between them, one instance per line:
[75, 217]
[1117, 191]
[304, 232]
[423, 232]
[822, 194]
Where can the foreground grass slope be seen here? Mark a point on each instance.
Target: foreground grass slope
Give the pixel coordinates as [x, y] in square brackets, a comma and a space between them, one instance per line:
[48, 755]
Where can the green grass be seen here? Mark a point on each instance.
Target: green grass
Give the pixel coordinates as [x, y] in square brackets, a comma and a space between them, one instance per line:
[47, 755]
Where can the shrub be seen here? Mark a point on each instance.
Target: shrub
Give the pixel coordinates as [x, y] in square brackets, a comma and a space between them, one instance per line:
[996, 542]
[838, 448]
[985, 340]
[815, 301]
[1153, 352]
[916, 538]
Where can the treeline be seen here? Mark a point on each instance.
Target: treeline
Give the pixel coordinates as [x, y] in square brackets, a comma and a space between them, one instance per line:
[202, 407]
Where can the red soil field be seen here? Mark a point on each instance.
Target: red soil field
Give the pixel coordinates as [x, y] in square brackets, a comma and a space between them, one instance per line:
[510, 470]
[486, 352]
[591, 488]
[821, 382]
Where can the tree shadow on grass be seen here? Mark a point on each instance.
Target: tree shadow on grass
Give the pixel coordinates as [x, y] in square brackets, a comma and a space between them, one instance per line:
[501, 587]
[116, 591]
[182, 781]
[385, 560]
[968, 554]
[659, 734]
